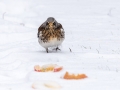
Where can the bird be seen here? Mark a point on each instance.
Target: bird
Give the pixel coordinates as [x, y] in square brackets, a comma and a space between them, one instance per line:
[51, 34]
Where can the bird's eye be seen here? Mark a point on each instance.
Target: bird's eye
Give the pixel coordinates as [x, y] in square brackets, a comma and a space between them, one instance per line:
[54, 23]
[47, 23]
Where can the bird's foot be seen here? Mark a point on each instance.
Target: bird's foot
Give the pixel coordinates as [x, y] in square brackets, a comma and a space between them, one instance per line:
[47, 50]
[57, 49]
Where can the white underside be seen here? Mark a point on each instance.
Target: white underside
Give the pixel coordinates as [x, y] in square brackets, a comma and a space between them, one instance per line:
[52, 43]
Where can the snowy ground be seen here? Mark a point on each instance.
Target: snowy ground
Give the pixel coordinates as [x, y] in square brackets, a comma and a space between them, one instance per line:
[92, 29]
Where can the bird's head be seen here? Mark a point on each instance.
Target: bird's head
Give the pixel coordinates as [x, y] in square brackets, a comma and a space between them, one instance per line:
[51, 23]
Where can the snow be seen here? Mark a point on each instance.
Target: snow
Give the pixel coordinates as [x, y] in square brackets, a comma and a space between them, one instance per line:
[92, 32]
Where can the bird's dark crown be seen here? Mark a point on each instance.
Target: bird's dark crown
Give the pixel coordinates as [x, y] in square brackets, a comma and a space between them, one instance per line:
[50, 20]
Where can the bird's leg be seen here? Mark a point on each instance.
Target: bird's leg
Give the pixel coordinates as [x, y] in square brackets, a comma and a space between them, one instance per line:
[57, 49]
[47, 50]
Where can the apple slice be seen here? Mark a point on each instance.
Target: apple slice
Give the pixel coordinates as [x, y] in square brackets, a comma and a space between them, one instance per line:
[46, 85]
[48, 67]
[67, 75]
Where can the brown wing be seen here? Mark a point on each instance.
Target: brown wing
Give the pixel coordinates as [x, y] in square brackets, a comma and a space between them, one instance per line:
[59, 27]
[41, 28]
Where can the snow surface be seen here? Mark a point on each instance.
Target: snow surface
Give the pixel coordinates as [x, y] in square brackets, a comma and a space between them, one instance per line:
[92, 29]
